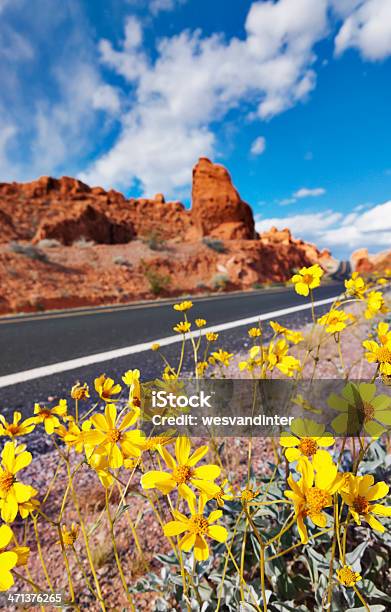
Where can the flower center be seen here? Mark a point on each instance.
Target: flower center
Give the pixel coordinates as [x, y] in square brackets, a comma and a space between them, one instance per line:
[13, 429]
[307, 279]
[384, 355]
[316, 499]
[361, 505]
[6, 481]
[347, 576]
[113, 435]
[182, 474]
[369, 411]
[45, 414]
[247, 495]
[199, 524]
[69, 538]
[308, 447]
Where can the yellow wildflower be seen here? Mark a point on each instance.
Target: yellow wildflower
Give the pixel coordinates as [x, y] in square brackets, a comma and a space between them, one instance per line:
[308, 439]
[169, 373]
[307, 279]
[211, 336]
[183, 471]
[131, 378]
[334, 321]
[314, 491]
[152, 443]
[355, 286]
[28, 507]
[80, 392]
[106, 388]
[277, 357]
[8, 559]
[16, 428]
[380, 354]
[360, 407]
[196, 528]
[222, 357]
[112, 437]
[201, 367]
[248, 494]
[384, 333]
[155, 346]
[12, 492]
[182, 327]
[358, 492]
[200, 322]
[74, 436]
[347, 576]
[183, 306]
[69, 536]
[254, 332]
[99, 461]
[292, 336]
[375, 304]
[225, 493]
[49, 416]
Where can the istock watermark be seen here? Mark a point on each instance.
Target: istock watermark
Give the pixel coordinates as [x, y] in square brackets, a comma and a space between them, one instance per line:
[162, 399]
[258, 408]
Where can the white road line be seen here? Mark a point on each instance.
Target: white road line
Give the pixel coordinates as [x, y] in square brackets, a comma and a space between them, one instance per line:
[81, 362]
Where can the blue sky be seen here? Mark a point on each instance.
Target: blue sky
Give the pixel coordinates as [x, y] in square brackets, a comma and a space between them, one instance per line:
[293, 96]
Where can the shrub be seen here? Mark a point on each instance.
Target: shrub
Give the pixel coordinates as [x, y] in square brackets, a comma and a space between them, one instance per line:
[28, 250]
[119, 260]
[158, 283]
[214, 244]
[49, 243]
[219, 282]
[83, 243]
[154, 241]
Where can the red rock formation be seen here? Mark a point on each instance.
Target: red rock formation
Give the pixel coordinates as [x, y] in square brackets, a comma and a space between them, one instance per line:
[108, 269]
[83, 220]
[365, 263]
[217, 209]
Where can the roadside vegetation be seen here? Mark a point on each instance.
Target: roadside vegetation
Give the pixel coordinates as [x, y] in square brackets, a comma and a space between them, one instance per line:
[307, 531]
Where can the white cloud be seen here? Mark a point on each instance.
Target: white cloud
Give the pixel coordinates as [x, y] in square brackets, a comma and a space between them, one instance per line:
[158, 6]
[194, 81]
[304, 192]
[333, 229]
[53, 131]
[258, 146]
[287, 201]
[367, 28]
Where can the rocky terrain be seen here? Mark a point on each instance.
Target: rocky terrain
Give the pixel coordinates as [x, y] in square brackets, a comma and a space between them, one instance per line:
[365, 263]
[65, 244]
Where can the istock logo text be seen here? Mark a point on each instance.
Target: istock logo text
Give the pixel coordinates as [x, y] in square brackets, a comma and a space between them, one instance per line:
[162, 399]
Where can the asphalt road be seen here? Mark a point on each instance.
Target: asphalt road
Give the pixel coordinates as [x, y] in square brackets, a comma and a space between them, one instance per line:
[38, 340]
[33, 341]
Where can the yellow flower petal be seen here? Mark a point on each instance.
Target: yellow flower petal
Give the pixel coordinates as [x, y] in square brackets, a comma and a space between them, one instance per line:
[377, 491]
[197, 455]
[207, 472]
[182, 449]
[201, 549]
[5, 535]
[187, 542]
[214, 516]
[288, 440]
[374, 523]
[217, 532]
[292, 454]
[174, 528]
